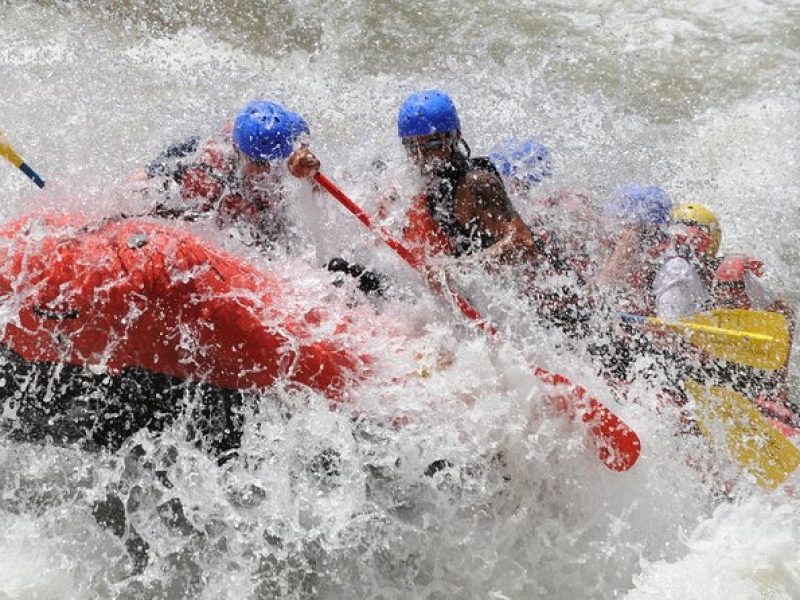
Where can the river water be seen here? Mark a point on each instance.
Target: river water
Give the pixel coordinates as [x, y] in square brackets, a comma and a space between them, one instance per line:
[702, 98]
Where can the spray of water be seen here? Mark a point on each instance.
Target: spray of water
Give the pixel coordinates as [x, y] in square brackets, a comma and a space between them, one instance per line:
[482, 493]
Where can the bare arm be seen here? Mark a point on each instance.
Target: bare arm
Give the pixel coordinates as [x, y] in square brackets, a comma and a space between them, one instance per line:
[627, 246]
[482, 201]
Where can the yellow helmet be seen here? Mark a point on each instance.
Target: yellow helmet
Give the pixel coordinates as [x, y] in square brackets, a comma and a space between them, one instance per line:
[695, 214]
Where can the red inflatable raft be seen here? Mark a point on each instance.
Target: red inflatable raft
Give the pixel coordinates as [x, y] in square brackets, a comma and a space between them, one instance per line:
[137, 293]
[150, 299]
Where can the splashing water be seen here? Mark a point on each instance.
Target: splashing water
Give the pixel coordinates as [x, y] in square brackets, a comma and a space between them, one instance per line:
[482, 494]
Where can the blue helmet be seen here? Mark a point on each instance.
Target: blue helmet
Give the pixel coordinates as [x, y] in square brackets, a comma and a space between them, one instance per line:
[526, 160]
[298, 123]
[265, 130]
[426, 113]
[642, 205]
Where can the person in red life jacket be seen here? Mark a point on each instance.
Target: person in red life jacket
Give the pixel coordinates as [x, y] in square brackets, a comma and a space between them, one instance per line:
[735, 283]
[464, 210]
[237, 174]
[562, 224]
[735, 279]
[625, 284]
[626, 280]
[670, 278]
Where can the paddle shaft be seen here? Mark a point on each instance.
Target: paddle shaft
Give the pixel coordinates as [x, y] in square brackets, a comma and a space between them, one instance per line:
[15, 159]
[618, 446]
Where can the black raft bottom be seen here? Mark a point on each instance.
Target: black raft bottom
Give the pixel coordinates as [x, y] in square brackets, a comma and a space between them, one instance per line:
[67, 405]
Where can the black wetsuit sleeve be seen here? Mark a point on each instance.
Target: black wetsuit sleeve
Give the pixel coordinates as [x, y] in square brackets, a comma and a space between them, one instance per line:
[169, 163]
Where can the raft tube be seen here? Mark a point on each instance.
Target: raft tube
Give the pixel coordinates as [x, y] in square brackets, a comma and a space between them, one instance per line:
[142, 300]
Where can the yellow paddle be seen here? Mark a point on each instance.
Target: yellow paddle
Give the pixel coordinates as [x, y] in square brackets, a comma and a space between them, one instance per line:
[15, 159]
[752, 440]
[748, 337]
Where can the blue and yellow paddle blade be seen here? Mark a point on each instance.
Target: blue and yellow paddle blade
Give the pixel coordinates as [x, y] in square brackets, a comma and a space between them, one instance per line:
[753, 442]
[15, 159]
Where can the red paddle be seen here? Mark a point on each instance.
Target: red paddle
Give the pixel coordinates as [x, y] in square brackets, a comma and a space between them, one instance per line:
[617, 444]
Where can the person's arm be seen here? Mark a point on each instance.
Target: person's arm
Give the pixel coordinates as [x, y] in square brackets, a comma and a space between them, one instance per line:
[761, 298]
[627, 246]
[482, 200]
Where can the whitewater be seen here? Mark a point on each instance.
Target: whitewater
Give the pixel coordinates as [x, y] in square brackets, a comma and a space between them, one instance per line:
[702, 98]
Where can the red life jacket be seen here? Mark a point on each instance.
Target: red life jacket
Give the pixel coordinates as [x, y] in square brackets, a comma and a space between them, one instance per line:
[639, 281]
[427, 236]
[728, 286]
[441, 205]
[211, 183]
[207, 178]
[422, 233]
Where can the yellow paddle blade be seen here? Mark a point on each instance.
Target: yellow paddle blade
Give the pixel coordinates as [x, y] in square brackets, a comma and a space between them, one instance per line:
[8, 153]
[753, 338]
[753, 442]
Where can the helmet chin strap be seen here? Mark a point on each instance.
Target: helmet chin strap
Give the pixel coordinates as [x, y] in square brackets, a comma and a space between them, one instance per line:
[467, 151]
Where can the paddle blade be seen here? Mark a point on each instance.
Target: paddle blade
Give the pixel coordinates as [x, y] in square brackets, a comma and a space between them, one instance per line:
[754, 338]
[618, 446]
[9, 154]
[753, 442]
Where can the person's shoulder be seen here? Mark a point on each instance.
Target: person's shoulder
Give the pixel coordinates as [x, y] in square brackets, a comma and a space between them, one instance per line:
[482, 180]
[485, 191]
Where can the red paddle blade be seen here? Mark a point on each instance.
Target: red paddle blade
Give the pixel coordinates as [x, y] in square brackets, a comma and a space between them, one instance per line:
[618, 446]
